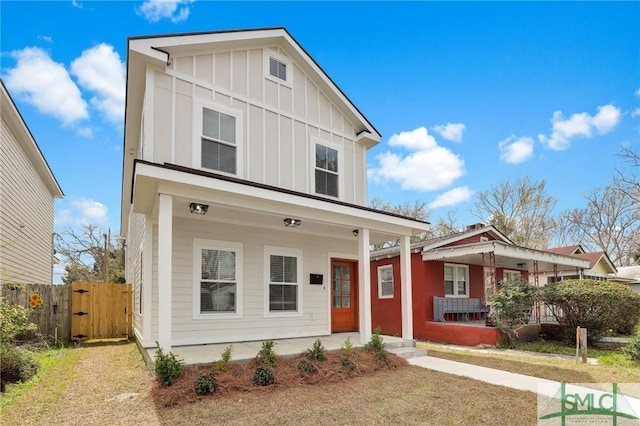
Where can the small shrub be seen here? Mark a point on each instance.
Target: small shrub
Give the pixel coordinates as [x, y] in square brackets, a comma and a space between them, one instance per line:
[381, 357]
[17, 365]
[14, 322]
[632, 349]
[347, 348]
[263, 377]
[225, 358]
[204, 384]
[267, 355]
[306, 367]
[376, 343]
[168, 367]
[348, 364]
[317, 352]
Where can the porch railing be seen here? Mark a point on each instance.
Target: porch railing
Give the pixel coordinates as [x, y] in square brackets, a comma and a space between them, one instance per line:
[459, 309]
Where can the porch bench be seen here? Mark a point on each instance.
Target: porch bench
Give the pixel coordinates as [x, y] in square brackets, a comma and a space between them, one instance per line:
[460, 307]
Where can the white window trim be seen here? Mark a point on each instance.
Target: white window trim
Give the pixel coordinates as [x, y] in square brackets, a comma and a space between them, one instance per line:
[315, 140]
[506, 272]
[198, 245]
[282, 251]
[270, 53]
[196, 148]
[380, 295]
[455, 281]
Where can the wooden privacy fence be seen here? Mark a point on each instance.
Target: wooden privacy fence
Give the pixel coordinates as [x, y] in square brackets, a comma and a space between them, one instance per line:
[100, 311]
[50, 307]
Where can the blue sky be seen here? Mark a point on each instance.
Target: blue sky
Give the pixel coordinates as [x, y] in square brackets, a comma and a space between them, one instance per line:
[464, 94]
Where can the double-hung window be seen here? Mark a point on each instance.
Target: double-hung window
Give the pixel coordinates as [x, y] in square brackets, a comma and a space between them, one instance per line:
[219, 149]
[217, 269]
[385, 282]
[283, 268]
[456, 280]
[326, 172]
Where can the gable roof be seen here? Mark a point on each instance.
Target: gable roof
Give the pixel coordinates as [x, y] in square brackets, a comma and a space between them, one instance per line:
[567, 250]
[18, 128]
[630, 274]
[577, 251]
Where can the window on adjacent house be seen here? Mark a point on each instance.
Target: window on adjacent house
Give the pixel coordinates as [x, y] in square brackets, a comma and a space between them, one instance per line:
[326, 170]
[219, 148]
[511, 275]
[218, 268]
[278, 69]
[385, 282]
[456, 280]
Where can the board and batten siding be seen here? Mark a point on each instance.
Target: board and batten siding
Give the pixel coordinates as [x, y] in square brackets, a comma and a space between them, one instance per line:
[26, 216]
[253, 325]
[278, 120]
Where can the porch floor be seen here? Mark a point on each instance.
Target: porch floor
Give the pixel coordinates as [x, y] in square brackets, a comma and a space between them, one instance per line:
[245, 351]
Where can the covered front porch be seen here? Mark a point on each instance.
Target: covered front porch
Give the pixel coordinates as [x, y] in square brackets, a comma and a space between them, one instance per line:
[245, 351]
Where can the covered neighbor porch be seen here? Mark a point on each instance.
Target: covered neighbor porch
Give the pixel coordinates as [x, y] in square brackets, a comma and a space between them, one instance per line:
[252, 219]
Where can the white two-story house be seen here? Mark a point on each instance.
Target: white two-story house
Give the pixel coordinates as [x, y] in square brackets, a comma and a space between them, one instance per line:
[244, 193]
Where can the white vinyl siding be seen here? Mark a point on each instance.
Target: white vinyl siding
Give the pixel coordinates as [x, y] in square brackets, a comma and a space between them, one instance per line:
[456, 280]
[385, 282]
[283, 272]
[217, 279]
[26, 215]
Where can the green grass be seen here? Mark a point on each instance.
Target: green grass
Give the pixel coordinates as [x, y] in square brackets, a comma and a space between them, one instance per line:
[609, 355]
[48, 359]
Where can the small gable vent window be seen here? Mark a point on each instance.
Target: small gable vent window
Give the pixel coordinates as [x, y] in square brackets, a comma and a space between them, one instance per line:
[218, 141]
[278, 69]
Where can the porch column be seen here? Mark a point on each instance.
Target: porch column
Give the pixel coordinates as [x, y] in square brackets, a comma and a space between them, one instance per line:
[364, 278]
[165, 236]
[405, 281]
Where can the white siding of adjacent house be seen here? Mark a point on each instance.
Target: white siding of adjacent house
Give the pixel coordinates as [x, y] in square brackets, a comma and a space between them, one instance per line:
[253, 325]
[26, 216]
[278, 120]
[134, 269]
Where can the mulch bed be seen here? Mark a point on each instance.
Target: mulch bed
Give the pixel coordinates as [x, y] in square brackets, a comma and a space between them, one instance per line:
[238, 380]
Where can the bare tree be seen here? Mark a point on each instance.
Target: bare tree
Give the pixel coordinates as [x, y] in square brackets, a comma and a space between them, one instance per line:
[522, 210]
[610, 222]
[447, 225]
[90, 255]
[629, 182]
[416, 210]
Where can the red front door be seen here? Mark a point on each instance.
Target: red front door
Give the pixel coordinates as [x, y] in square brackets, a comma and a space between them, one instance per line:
[344, 295]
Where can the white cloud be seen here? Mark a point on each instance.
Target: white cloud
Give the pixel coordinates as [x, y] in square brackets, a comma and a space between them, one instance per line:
[45, 38]
[83, 211]
[514, 150]
[637, 93]
[46, 84]
[429, 168]
[76, 3]
[451, 197]
[636, 112]
[85, 132]
[450, 131]
[580, 125]
[175, 10]
[100, 70]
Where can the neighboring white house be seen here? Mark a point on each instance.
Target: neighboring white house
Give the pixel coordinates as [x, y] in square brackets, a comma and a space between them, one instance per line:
[244, 193]
[629, 275]
[600, 266]
[27, 192]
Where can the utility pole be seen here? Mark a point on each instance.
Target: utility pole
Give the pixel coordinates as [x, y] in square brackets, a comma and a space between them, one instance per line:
[107, 239]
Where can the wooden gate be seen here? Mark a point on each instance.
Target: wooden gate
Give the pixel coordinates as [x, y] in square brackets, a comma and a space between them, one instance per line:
[100, 311]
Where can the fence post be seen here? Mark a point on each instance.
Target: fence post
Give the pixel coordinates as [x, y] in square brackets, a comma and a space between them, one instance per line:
[581, 344]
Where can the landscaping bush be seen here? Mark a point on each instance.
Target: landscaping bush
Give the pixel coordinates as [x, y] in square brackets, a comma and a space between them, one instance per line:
[511, 305]
[263, 377]
[375, 344]
[14, 322]
[168, 367]
[306, 367]
[348, 364]
[347, 348]
[632, 349]
[266, 355]
[597, 306]
[225, 358]
[317, 352]
[204, 384]
[17, 365]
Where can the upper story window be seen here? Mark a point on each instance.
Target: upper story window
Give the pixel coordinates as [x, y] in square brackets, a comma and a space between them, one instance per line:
[218, 270]
[456, 280]
[326, 171]
[278, 69]
[385, 282]
[219, 148]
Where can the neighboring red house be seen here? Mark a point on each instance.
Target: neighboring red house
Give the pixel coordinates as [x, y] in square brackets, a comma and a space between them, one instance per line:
[451, 277]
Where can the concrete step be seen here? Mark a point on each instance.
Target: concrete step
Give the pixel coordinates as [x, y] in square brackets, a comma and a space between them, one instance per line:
[408, 352]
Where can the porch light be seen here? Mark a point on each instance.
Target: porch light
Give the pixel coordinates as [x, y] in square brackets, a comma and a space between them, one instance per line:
[292, 223]
[521, 265]
[355, 232]
[197, 208]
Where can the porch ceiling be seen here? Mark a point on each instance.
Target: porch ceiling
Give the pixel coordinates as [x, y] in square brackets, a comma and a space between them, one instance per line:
[506, 256]
[235, 203]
